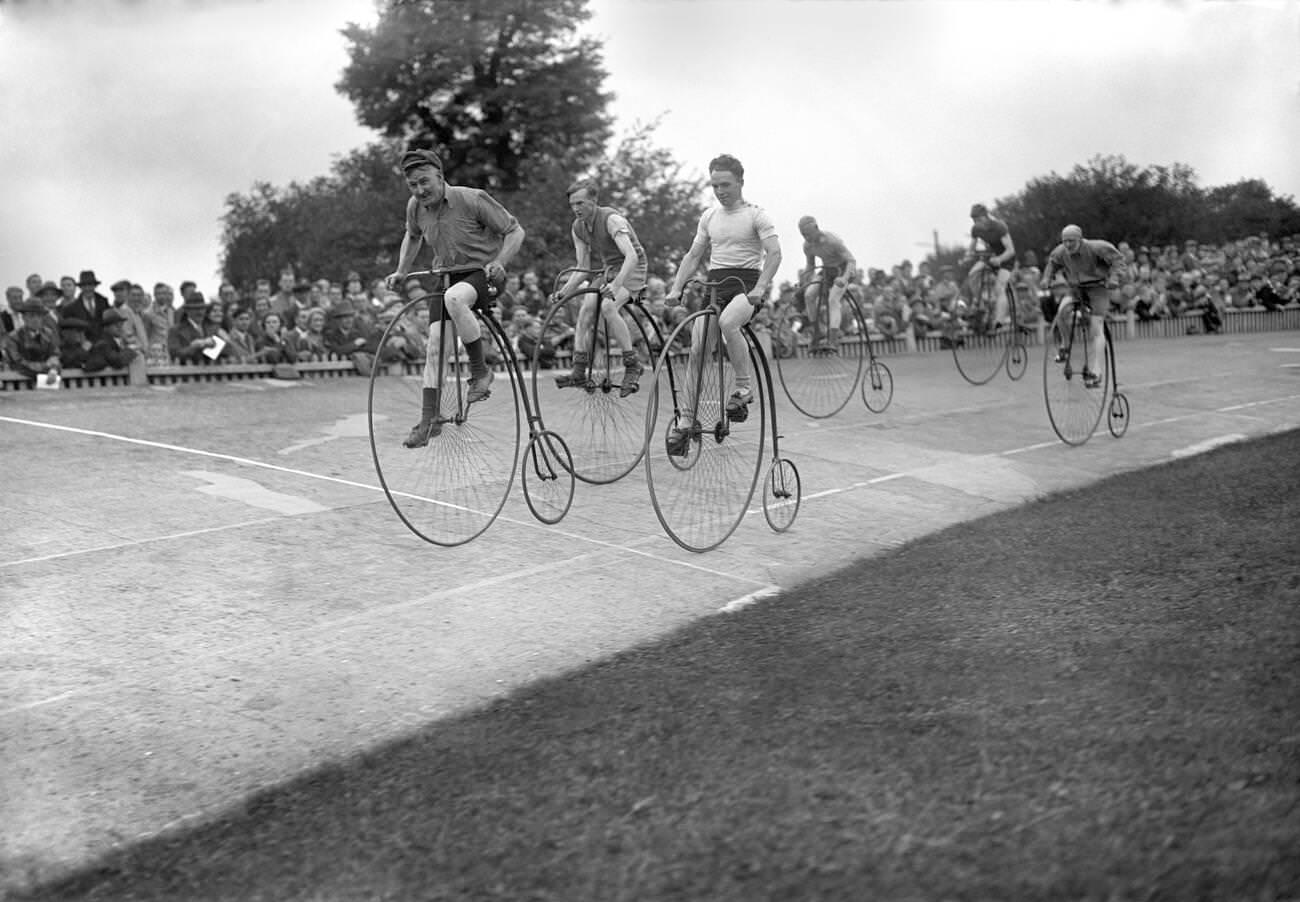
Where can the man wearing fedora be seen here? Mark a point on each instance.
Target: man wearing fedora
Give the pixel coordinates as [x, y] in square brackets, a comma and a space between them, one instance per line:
[186, 340]
[89, 305]
[472, 234]
[32, 349]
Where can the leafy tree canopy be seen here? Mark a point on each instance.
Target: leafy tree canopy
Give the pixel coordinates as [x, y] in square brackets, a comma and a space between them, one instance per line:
[1111, 198]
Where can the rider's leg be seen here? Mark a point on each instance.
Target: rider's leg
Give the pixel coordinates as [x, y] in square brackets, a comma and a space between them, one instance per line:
[678, 437]
[1063, 316]
[835, 303]
[731, 320]
[1098, 325]
[611, 309]
[459, 300]
[1001, 299]
[583, 340]
[430, 424]
[812, 304]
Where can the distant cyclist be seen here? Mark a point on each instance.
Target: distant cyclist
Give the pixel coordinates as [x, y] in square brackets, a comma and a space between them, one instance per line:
[838, 269]
[739, 242]
[992, 234]
[468, 231]
[1092, 268]
[603, 236]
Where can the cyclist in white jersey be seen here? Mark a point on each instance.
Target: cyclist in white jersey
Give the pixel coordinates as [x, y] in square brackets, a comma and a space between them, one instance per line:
[739, 241]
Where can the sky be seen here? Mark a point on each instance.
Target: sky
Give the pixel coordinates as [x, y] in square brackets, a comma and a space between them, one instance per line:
[127, 123]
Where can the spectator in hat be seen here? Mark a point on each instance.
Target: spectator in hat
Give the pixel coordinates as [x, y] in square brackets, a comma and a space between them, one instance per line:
[345, 338]
[90, 304]
[31, 349]
[187, 340]
[120, 289]
[74, 346]
[111, 350]
[49, 295]
[241, 344]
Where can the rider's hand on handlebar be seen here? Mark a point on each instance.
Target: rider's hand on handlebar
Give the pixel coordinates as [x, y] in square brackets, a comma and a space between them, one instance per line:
[393, 281]
[672, 299]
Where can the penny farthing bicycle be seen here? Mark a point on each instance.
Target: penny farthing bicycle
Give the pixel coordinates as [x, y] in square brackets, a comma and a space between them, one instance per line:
[1077, 387]
[980, 345]
[703, 463]
[602, 418]
[452, 489]
[820, 379]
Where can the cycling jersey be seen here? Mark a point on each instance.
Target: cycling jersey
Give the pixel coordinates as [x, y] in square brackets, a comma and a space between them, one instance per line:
[995, 235]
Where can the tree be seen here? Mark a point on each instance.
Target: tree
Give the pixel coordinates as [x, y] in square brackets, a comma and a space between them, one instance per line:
[1112, 198]
[349, 220]
[497, 86]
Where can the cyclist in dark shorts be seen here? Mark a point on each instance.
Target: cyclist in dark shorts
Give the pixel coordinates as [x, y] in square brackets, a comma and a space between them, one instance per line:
[1092, 269]
[471, 233]
[992, 235]
[738, 241]
[838, 269]
[603, 239]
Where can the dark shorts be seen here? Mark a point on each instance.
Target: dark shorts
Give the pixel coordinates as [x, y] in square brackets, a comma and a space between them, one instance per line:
[438, 285]
[739, 281]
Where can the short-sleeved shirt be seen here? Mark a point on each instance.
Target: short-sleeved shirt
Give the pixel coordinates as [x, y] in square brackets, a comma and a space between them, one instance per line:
[465, 230]
[994, 234]
[735, 237]
[830, 249]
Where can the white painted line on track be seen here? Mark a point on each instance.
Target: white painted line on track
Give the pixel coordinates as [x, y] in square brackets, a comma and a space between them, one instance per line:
[745, 601]
[1209, 445]
[134, 543]
[247, 461]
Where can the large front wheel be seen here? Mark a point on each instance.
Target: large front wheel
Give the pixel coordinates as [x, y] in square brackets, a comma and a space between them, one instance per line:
[602, 418]
[452, 487]
[819, 379]
[980, 345]
[1073, 408]
[702, 464]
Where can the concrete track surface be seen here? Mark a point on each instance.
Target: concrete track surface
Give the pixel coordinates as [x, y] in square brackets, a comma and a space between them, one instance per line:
[204, 592]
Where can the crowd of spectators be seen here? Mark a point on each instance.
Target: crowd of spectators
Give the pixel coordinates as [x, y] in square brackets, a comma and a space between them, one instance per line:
[48, 326]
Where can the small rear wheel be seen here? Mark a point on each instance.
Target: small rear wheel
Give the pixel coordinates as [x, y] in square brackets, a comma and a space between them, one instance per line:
[877, 386]
[548, 477]
[782, 493]
[1118, 420]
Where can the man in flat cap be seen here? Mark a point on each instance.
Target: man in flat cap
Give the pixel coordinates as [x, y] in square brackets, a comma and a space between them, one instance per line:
[31, 349]
[473, 237]
[111, 350]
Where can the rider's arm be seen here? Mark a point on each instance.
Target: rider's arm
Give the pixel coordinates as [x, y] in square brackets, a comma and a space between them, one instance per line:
[582, 260]
[511, 242]
[771, 263]
[411, 244]
[624, 243]
[690, 263]
[1008, 251]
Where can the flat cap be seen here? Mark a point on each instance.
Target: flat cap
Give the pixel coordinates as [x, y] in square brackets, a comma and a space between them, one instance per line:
[415, 158]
